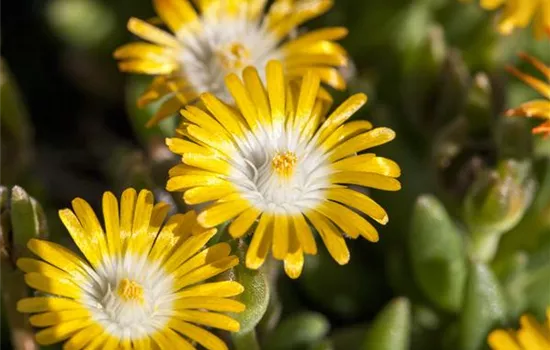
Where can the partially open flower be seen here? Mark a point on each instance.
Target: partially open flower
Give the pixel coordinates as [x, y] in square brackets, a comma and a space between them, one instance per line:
[141, 284]
[224, 37]
[536, 108]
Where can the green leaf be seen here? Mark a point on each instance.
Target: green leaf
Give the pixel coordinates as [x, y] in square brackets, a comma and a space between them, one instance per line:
[484, 308]
[513, 274]
[255, 295]
[391, 328]
[325, 344]
[437, 254]
[537, 280]
[81, 23]
[297, 330]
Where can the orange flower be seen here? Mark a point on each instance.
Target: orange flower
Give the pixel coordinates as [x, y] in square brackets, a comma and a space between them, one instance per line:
[539, 108]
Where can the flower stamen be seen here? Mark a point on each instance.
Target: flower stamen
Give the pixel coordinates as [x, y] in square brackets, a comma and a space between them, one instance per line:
[234, 56]
[283, 163]
[130, 290]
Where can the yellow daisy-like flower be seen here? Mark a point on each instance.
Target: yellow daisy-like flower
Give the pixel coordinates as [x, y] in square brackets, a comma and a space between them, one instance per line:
[519, 13]
[531, 336]
[141, 284]
[281, 162]
[535, 108]
[222, 37]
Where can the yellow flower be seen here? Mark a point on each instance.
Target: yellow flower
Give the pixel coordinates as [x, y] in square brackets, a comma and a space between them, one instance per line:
[531, 335]
[222, 37]
[519, 13]
[535, 108]
[141, 282]
[281, 162]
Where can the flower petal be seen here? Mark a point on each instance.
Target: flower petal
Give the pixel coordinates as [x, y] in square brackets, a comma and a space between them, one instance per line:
[201, 336]
[261, 241]
[333, 240]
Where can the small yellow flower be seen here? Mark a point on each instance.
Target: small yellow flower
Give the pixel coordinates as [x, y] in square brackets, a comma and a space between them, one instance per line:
[141, 284]
[519, 13]
[531, 335]
[222, 37]
[280, 161]
[535, 108]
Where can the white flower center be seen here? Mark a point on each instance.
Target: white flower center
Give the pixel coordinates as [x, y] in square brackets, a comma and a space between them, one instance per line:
[129, 297]
[279, 175]
[219, 47]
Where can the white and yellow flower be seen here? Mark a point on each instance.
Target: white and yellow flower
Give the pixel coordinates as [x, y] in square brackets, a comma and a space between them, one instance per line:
[280, 162]
[222, 37]
[141, 284]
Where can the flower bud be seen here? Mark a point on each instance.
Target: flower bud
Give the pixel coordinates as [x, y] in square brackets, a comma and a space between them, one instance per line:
[22, 218]
[27, 219]
[495, 203]
[536, 221]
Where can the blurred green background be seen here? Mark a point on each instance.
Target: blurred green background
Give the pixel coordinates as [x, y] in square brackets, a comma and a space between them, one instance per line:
[467, 248]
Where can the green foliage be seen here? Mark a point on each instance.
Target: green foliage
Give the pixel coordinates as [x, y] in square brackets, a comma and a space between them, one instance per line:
[22, 218]
[484, 308]
[298, 330]
[391, 327]
[437, 254]
[450, 266]
[255, 296]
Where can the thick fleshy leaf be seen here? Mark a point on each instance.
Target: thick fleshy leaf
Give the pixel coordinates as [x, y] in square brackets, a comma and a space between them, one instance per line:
[484, 307]
[391, 328]
[437, 254]
[298, 330]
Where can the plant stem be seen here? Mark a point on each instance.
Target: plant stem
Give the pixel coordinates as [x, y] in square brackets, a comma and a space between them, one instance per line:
[245, 341]
[484, 246]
